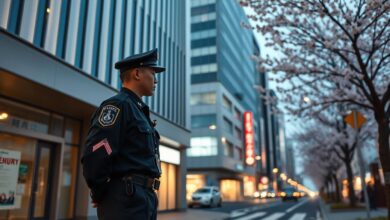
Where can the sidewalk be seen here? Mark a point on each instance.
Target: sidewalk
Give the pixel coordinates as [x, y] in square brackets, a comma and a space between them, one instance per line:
[192, 214]
[350, 214]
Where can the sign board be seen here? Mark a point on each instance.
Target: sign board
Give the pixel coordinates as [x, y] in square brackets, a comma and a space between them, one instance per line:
[355, 117]
[249, 139]
[9, 170]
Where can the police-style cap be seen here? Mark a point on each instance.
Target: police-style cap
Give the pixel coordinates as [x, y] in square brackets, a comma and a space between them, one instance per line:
[147, 59]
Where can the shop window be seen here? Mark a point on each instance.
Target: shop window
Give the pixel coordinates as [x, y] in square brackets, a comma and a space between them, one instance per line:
[27, 148]
[57, 125]
[249, 186]
[230, 190]
[203, 121]
[68, 182]
[203, 146]
[194, 182]
[167, 192]
[72, 131]
[24, 117]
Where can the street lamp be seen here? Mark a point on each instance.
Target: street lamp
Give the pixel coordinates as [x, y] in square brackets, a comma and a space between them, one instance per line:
[258, 157]
[212, 127]
[275, 186]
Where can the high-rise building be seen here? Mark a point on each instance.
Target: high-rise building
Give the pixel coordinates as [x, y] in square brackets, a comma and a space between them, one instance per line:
[223, 99]
[56, 67]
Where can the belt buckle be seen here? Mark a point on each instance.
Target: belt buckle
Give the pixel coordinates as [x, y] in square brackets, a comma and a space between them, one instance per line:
[156, 184]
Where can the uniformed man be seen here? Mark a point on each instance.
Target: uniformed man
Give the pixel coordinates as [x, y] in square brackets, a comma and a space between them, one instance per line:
[121, 160]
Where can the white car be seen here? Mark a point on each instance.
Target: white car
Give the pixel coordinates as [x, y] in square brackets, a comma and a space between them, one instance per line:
[206, 196]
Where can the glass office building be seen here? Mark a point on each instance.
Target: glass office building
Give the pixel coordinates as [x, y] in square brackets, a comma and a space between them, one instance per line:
[223, 78]
[56, 66]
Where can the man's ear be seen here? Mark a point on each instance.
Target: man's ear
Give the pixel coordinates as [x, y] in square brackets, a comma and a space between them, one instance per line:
[137, 74]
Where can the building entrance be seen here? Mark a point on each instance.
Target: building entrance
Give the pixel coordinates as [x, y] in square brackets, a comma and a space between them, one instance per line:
[31, 194]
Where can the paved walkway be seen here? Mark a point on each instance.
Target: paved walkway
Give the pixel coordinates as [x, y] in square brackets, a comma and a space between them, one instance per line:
[353, 215]
[350, 214]
[192, 214]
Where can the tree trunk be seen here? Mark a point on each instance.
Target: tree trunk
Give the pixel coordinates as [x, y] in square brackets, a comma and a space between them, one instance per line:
[336, 183]
[384, 154]
[351, 191]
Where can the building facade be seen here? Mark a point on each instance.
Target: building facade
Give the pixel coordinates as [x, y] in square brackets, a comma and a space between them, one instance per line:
[223, 101]
[56, 67]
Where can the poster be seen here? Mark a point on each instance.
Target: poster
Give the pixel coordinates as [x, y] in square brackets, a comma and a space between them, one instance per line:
[9, 171]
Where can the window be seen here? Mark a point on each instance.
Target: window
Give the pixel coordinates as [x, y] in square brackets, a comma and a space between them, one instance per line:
[203, 34]
[206, 68]
[238, 153]
[227, 125]
[202, 51]
[203, 121]
[238, 133]
[203, 146]
[228, 149]
[203, 17]
[195, 3]
[227, 103]
[238, 114]
[203, 98]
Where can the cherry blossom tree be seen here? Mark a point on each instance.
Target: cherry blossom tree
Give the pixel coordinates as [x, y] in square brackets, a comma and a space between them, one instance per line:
[330, 51]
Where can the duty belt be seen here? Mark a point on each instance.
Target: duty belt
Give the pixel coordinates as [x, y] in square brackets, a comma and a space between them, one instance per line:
[144, 181]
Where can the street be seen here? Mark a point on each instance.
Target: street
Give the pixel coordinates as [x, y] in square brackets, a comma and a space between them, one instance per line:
[304, 209]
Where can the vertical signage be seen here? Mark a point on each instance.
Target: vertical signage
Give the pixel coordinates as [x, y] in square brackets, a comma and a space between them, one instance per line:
[249, 139]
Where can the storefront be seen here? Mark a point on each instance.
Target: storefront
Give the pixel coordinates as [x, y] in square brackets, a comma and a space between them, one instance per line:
[48, 144]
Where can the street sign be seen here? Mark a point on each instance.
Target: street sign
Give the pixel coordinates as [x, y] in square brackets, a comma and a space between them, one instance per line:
[350, 119]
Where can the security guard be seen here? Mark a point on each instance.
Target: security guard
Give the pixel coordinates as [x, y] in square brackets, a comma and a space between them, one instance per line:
[121, 161]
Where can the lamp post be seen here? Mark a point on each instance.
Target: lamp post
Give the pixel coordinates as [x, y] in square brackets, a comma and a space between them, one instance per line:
[275, 186]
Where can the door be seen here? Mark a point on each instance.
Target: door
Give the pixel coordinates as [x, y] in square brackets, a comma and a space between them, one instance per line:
[41, 187]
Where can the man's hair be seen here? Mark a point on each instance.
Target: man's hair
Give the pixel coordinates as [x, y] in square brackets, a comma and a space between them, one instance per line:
[125, 75]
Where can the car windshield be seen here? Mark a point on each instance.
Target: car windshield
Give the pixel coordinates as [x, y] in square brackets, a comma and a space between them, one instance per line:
[203, 190]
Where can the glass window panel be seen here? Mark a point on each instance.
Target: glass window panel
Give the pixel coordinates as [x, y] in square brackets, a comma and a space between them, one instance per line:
[68, 182]
[227, 125]
[203, 121]
[203, 146]
[208, 98]
[24, 117]
[57, 125]
[27, 148]
[162, 193]
[72, 131]
[172, 186]
[227, 103]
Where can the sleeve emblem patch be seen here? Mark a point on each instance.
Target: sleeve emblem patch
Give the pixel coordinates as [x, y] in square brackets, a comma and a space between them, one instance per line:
[108, 115]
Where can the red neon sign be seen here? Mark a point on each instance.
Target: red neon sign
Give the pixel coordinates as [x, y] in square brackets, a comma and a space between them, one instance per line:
[249, 139]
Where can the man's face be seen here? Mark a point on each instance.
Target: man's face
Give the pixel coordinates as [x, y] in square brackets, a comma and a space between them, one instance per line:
[148, 81]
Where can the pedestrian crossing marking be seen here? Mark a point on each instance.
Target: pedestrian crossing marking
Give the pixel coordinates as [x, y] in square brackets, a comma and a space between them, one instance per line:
[296, 206]
[252, 216]
[237, 213]
[298, 216]
[274, 216]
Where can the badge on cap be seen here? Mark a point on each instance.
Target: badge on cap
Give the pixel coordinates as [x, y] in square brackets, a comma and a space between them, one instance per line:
[108, 115]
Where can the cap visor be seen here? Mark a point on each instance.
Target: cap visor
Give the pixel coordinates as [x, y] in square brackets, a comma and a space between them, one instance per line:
[158, 69]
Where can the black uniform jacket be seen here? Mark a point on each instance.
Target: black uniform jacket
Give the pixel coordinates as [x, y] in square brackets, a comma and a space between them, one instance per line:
[121, 141]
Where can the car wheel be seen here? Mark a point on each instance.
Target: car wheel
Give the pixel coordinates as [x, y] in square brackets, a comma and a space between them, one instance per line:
[220, 203]
[211, 203]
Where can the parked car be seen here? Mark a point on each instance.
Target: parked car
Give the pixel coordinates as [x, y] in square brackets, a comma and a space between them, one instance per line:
[290, 193]
[206, 196]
